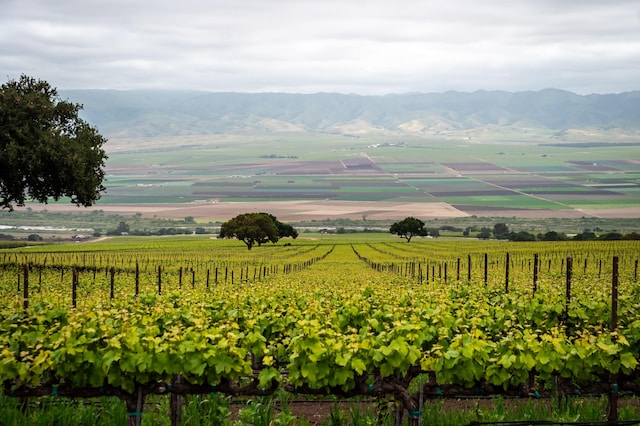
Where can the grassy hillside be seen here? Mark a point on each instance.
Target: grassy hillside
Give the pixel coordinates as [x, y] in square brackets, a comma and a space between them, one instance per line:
[172, 113]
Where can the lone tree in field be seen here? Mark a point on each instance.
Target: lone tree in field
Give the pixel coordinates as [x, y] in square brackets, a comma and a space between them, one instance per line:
[255, 228]
[46, 150]
[408, 228]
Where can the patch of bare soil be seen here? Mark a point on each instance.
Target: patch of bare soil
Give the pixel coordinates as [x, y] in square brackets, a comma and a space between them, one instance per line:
[308, 210]
[283, 210]
[317, 412]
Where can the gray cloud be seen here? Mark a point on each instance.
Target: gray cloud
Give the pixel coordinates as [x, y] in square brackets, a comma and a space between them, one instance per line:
[369, 47]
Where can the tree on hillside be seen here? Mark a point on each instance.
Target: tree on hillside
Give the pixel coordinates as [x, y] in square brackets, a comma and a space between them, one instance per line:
[46, 150]
[255, 228]
[408, 228]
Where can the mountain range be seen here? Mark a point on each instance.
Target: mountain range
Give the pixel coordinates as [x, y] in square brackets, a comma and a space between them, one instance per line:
[146, 113]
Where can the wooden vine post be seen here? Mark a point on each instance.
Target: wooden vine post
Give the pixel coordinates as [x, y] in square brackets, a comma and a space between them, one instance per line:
[25, 288]
[175, 403]
[18, 277]
[112, 273]
[74, 287]
[568, 288]
[599, 268]
[612, 404]
[486, 268]
[535, 273]
[135, 406]
[506, 274]
[137, 279]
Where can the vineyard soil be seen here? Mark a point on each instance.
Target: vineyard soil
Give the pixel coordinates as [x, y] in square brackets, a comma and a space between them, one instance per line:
[318, 412]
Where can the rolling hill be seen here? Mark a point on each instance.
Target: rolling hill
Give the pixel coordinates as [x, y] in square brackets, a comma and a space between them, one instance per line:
[144, 113]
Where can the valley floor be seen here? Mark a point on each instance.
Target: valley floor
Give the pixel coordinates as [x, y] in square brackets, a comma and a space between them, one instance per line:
[308, 210]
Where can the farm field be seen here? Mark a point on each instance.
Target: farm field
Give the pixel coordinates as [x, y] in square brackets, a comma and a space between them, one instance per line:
[315, 176]
[352, 316]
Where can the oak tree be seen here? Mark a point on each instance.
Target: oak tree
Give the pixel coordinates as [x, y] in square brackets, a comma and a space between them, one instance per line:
[46, 149]
[408, 228]
[250, 228]
[256, 228]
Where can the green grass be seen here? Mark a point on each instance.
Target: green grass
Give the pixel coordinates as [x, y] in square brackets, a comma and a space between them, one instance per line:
[605, 204]
[416, 167]
[280, 410]
[48, 411]
[512, 201]
[15, 244]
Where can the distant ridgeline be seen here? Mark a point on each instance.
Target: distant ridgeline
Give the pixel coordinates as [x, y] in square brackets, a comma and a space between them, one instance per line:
[145, 113]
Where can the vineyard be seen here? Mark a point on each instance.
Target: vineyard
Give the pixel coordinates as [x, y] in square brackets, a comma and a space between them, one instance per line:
[380, 318]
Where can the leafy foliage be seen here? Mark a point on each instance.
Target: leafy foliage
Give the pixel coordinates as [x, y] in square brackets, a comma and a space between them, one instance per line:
[337, 324]
[252, 228]
[284, 229]
[500, 230]
[408, 228]
[46, 150]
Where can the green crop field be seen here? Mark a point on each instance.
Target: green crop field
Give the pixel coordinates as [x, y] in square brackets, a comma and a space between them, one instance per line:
[367, 318]
[531, 174]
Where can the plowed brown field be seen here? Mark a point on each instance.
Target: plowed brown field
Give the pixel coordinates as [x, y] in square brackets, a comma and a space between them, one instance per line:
[321, 210]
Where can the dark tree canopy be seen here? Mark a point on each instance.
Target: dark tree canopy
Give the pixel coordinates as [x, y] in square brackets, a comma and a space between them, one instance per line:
[521, 236]
[586, 236]
[408, 228]
[284, 229]
[46, 150]
[554, 236]
[256, 228]
[500, 230]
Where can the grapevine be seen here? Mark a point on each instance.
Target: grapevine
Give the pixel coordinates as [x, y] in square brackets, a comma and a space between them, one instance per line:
[331, 324]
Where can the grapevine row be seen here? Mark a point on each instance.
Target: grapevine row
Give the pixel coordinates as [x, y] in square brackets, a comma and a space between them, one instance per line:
[334, 326]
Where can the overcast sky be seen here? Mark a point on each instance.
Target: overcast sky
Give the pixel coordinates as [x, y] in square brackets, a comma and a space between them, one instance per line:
[308, 46]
